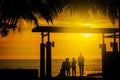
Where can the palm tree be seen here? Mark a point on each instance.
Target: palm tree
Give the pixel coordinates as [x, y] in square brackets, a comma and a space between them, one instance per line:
[12, 10]
[107, 7]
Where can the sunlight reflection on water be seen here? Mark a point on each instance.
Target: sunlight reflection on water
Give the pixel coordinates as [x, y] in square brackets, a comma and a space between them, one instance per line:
[91, 66]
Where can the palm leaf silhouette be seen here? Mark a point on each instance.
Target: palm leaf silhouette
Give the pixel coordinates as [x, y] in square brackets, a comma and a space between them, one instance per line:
[12, 10]
[107, 7]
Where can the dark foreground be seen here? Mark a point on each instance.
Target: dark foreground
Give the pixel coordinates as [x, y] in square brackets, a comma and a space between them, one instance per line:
[75, 78]
[32, 74]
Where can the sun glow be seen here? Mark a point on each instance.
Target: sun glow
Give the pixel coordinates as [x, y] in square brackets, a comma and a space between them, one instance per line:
[87, 34]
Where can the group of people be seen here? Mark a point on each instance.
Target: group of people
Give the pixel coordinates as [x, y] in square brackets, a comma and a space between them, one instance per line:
[67, 65]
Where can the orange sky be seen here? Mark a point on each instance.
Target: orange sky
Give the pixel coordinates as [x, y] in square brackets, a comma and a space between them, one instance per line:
[25, 45]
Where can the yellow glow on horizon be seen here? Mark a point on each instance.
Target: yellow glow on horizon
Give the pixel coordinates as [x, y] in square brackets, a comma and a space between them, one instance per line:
[87, 34]
[71, 44]
[66, 45]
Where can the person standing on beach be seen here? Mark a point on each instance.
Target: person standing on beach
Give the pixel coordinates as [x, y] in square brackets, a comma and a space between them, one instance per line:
[67, 64]
[81, 64]
[73, 65]
[62, 70]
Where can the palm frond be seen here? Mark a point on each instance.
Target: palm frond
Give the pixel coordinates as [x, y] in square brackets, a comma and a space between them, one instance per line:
[107, 7]
[13, 10]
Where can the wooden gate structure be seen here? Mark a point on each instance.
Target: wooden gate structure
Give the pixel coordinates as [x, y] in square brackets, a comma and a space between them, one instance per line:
[110, 60]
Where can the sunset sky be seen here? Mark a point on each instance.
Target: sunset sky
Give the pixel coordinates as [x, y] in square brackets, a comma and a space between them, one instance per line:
[26, 45]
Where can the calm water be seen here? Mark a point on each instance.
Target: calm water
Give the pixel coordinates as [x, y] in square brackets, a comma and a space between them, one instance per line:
[91, 65]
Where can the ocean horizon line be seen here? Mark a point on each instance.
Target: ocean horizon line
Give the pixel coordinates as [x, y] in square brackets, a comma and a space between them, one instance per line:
[52, 59]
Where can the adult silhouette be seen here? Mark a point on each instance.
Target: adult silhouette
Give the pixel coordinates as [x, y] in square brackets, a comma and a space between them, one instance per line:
[73, 66]
[81, 64]
[62, 70]
[67, 64]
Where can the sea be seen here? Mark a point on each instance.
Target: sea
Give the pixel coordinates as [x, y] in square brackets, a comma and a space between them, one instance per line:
[91, 65]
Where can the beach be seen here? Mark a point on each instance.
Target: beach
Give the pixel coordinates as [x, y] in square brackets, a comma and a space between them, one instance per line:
[91, 65]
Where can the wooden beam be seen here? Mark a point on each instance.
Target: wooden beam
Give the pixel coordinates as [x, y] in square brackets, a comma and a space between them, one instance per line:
[74, 29]
[111, 36]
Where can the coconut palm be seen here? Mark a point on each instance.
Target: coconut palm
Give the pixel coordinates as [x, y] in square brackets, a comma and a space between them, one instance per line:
[107, 7]
[12, 10]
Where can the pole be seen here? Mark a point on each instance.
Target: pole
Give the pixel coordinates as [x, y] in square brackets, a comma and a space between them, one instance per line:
[48, 58]
[119, 37]
[115, 46]
[103, 57]
[42, 58]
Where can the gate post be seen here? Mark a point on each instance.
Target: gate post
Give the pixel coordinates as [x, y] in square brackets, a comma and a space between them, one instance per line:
[42, 58]
[48, 60]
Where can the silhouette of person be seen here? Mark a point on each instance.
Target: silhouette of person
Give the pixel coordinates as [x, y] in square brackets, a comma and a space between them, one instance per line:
[62, 70]
[81, 64]
[73, 65]
[67, 64]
